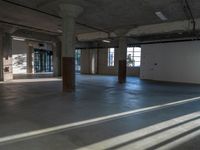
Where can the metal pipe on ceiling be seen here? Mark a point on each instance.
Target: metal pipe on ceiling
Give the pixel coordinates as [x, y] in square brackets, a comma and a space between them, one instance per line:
[168, 41]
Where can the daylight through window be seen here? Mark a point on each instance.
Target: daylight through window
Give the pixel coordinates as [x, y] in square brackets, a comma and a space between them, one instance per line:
[133, 56]
[111, 57]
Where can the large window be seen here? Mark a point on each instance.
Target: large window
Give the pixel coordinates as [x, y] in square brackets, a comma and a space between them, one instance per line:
[133, 56]
[19, 63]
[111, 57]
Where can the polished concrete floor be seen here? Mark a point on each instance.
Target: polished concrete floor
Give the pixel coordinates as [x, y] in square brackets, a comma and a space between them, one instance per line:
[38, 104]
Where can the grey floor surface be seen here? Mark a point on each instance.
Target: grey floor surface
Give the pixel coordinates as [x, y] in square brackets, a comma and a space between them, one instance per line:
[29, 106]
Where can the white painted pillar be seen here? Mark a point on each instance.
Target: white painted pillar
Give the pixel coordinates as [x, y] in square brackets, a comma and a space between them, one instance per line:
[69, 12]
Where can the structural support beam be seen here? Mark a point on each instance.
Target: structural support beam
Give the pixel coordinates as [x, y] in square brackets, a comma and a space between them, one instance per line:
[122, 60]
[69, 12]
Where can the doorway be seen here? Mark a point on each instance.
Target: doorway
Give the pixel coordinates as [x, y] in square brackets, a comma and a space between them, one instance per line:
[43, 61]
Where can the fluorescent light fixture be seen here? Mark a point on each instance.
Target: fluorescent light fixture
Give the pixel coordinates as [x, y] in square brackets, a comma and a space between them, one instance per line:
[161, 16]
[18, 39]
[59, 30]
[106, 41]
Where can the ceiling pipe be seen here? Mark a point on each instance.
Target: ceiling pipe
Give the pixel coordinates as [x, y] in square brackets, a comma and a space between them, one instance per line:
[166, 41]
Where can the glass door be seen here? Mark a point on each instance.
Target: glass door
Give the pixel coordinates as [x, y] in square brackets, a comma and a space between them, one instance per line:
[43, 61]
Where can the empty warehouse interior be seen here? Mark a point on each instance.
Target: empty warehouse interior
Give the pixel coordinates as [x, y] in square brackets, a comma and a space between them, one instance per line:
[99, 75]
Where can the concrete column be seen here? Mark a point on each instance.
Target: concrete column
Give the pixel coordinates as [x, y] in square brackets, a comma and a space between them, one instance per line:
[5, 57]
[122, 60]
[30, 59]
[69, 12]
[1, 57]
[56, 59]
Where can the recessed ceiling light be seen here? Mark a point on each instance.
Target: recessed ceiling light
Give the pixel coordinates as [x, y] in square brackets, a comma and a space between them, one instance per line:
[161, 16]
[106, 41]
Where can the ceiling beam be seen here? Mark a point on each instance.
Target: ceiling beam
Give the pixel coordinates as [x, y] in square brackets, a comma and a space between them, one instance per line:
[176, 27]
[45, 3]
[29, 27]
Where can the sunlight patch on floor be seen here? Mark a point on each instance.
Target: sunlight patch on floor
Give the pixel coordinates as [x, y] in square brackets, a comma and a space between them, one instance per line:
[62, 128]
[159, 136]
[31, 80]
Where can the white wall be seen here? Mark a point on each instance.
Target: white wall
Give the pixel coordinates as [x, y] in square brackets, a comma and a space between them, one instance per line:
[174, 62]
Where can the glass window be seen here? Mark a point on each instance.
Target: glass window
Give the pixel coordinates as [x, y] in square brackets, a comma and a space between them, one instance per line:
[43, 61]
[133, 56]
[19, 63]
[111, 57]
[78, 60]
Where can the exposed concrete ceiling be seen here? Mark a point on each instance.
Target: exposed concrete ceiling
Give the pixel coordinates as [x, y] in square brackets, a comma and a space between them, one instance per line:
[108, 15]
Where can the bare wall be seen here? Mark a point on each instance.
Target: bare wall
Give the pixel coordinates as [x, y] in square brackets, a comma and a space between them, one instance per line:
[174, 62]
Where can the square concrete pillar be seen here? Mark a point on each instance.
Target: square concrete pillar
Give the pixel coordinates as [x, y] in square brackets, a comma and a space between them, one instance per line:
[6, 72]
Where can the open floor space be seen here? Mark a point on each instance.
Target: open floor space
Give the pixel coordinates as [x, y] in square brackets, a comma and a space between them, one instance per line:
[100, 115]
[99, 75]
